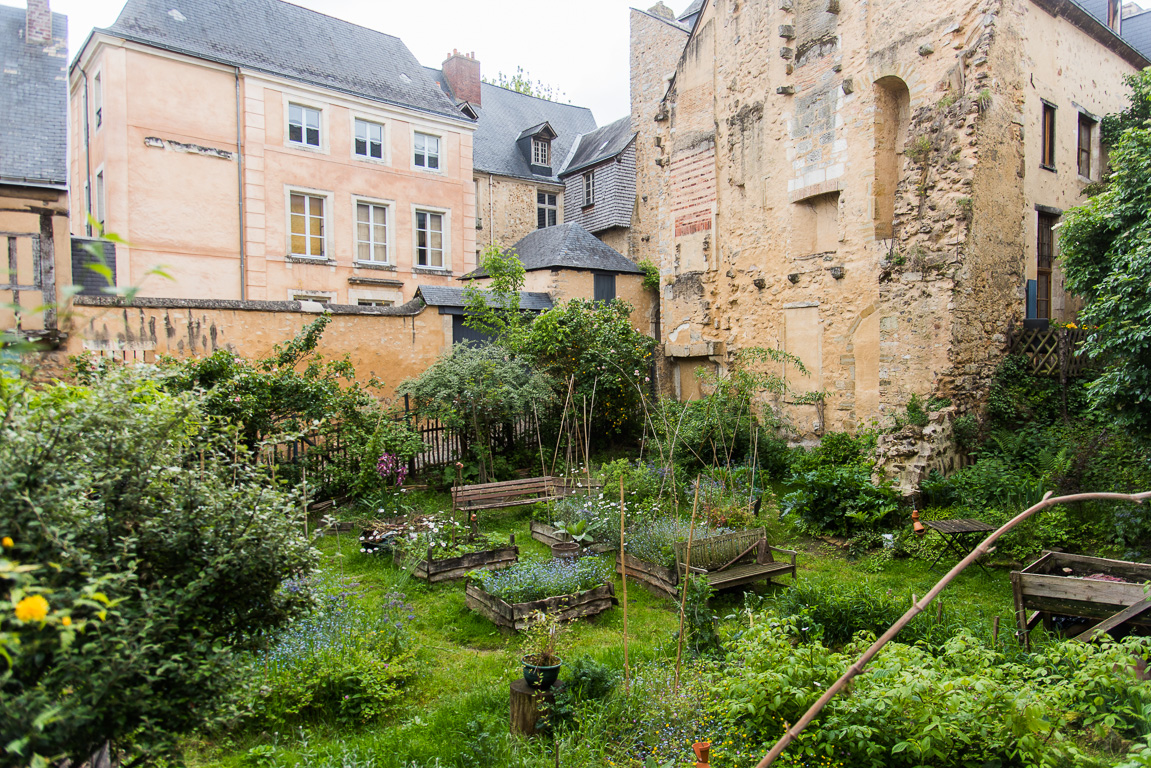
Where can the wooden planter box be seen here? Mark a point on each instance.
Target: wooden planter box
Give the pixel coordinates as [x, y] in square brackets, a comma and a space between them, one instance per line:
[548, 535]
[1044, 588]
[450, 568]
[660, 580]
[512, 617]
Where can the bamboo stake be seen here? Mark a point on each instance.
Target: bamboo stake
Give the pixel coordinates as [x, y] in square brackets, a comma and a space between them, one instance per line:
[984, 547]
[563, 419]
[686, 576]
[754, 465]
[623, 573]
[304, 481]
[995, 631]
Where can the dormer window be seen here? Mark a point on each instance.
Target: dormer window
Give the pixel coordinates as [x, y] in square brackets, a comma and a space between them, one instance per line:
[541, 152]
[535, 144]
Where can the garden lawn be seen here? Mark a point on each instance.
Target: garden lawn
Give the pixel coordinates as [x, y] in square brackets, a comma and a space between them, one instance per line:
[449, 713]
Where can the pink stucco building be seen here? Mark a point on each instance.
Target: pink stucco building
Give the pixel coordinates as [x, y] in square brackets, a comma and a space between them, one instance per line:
[257, 150]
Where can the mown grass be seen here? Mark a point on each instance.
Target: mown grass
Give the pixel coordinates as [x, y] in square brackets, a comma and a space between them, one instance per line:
[460, 698]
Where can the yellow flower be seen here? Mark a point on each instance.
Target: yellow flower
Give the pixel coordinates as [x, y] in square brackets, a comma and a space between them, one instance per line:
[32, 608]
[7, 541]
[66, 621]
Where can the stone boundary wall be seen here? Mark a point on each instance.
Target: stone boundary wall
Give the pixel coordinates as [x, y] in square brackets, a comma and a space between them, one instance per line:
[389, 343]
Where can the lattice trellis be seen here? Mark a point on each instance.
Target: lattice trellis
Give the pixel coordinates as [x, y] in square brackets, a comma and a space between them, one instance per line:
[1052, 350]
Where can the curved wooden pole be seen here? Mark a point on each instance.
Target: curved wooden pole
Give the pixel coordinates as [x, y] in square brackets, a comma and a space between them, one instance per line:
[793, 732]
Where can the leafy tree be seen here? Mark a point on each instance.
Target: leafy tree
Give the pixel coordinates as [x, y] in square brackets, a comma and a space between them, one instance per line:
[1106, 250]
[595, 343]
[495, 309]
[473, 390]
[157, 554]
[1137, 113]
[521, 82]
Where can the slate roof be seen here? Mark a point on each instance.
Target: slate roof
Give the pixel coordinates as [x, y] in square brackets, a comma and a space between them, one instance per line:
[437, 296]
[1137, 32]
[33, 103]
[599, 145]
[282, 39]
[504, 115]
[567, 246]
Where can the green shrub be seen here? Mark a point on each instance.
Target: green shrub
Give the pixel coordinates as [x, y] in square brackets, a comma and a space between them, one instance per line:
[650, 274]
[840, 500]
[841, 611]
[837, 449]
[588, 679]
[122, 486]
[962, 704]
[641, 480]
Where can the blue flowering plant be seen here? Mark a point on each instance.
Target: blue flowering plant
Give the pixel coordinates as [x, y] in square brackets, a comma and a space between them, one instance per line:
[344, 660]
[530, 580]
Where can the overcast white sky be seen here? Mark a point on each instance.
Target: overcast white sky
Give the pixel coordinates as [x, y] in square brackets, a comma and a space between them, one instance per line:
[579, 48]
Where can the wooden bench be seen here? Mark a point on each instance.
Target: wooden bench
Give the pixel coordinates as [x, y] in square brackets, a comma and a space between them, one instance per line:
[731, 559]
[513, 493]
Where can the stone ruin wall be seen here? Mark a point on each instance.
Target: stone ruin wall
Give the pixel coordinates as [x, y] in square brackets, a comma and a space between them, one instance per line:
[875, 319]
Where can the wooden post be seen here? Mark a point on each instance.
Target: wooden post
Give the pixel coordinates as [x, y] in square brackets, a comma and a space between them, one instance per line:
[686, 576]
[623, 574]
[995, 630]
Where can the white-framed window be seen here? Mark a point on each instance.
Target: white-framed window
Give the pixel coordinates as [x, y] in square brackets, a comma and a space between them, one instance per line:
[589, 188]
[431, 238]
[375, 303]
[426, 151]
[98, 100]
[303, 294]
[307, 224]
[373, 223]
[547, 210]
[369, 140]
[303, 125]
[541, 154]
[99, 201]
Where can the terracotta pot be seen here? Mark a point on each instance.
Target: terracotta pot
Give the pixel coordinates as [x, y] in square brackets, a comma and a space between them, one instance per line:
[702, 751]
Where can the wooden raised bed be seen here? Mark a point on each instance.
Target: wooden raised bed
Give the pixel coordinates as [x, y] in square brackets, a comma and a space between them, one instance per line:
[432, 570]
[513, 617]
[548, 535]
[1045, 589]
[660, 580]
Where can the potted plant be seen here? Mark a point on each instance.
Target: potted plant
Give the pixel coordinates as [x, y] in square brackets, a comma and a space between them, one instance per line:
[580, 534]
[541, 662]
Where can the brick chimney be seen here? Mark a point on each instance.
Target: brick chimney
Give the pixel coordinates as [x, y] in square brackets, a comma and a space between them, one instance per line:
[38, 23]
[462, 72]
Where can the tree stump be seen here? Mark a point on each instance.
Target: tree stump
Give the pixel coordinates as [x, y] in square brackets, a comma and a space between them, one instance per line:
[529, 705]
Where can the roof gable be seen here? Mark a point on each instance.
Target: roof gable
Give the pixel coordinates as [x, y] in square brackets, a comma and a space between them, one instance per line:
[286, 40]
[502, 117]
[33, 103]
[453, 298]
[567, 246]
[600, 145]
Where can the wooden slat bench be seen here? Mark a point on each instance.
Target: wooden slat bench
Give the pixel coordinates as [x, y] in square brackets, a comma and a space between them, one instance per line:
[513, 493]
[731, 559]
